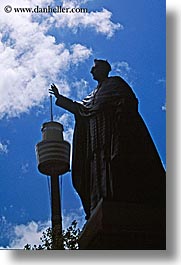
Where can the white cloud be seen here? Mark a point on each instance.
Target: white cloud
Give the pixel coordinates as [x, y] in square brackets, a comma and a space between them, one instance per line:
[100, 21]
[30, 57]
[72, 215]
[68, 135]
[30, 233]
[22, 234]
[25, 167]
[164, 108]
[161, 81]
[30, 61]
[6, 230]
[79, 53]
[81, 88]
[121, 67]
[73, 3]
[3, 148]
[67, 120]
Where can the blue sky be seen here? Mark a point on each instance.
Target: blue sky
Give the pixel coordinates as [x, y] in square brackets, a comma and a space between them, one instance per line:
[38, 49]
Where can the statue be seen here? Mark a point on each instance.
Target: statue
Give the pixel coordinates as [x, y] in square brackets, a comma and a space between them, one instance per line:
[114, 157]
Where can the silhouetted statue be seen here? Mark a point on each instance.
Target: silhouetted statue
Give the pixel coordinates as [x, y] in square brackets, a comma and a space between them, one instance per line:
[114, 156]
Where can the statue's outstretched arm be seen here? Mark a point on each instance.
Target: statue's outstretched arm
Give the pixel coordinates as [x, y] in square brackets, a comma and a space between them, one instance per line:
[67, 104]
[64, 102]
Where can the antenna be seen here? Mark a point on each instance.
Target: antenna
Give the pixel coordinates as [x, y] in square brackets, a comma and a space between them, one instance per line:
[51, 109]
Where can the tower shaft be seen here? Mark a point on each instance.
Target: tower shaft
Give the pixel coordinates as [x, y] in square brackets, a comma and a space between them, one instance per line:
[56, 213]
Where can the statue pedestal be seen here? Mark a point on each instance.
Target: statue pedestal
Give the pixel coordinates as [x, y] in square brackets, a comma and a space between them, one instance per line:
[126, 226]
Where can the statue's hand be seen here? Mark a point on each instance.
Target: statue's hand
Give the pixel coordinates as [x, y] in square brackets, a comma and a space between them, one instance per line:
[54, 90]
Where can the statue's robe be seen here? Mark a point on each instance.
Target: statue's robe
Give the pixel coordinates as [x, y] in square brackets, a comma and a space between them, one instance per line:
[114, 156]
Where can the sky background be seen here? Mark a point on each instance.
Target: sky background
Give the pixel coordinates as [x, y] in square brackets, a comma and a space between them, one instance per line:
[38, 49]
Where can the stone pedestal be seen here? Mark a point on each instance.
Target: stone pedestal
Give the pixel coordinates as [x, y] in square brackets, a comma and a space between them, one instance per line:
[124, 226]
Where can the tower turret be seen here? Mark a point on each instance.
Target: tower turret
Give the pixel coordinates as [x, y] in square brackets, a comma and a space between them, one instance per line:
[53, 153]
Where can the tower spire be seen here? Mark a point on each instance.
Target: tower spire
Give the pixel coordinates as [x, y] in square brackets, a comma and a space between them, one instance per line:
[51, 109]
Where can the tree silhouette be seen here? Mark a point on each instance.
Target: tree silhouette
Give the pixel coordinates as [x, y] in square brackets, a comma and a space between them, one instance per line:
[70, 239]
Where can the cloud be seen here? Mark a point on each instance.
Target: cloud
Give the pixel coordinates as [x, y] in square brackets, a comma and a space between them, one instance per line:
[30, 233]
[79, 53]
[30, 61]
[25, 167]
[99, 21]
[81, 88]
[74, 214]
[67, 120]
[161, 81]
[19, 235]
[124, 69]
[6, 231]
[164, 108]
[121, 67]
[3, 148]
[30, 56]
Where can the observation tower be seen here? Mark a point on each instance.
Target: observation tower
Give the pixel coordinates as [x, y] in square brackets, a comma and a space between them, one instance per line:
[53, 159]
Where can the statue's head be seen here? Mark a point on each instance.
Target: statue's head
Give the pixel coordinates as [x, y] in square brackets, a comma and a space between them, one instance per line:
[100, 70]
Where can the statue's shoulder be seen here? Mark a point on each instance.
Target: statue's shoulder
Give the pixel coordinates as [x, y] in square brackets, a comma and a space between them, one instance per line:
[116, 77]
[117, 83]
[116, 80]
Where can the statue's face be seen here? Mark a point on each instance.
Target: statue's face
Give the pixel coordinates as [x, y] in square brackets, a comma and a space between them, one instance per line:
[99, 72]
